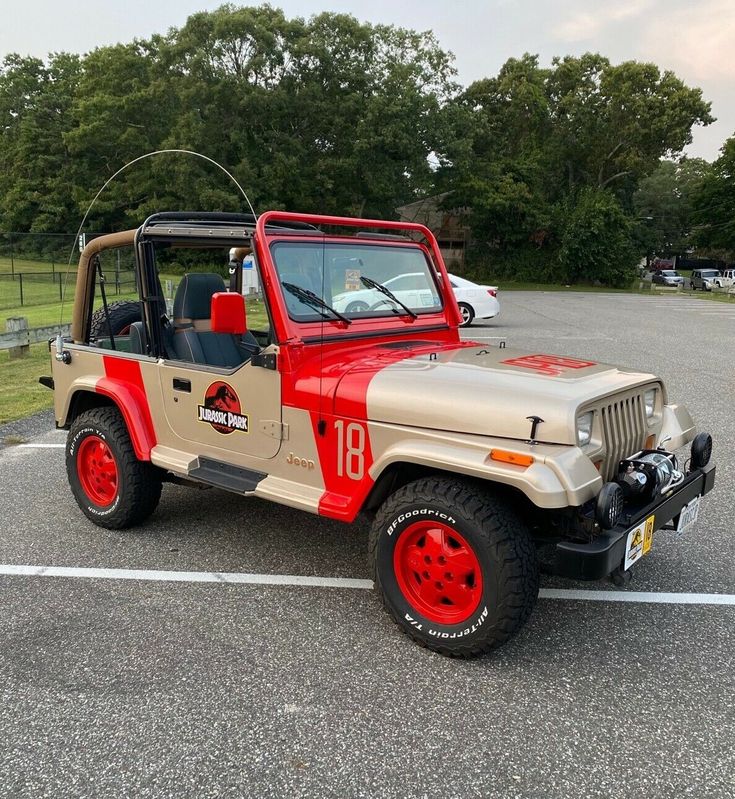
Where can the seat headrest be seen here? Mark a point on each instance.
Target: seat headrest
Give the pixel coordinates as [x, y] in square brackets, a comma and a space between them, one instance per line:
[228, 313]
[136, 338]
[193, 298]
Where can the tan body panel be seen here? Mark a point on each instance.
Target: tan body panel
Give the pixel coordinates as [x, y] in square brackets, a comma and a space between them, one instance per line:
[470, 390]
[562, 474]
[288, 482]
[559, 477]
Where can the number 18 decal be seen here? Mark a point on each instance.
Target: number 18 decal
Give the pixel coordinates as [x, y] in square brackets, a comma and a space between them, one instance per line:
[350, 450]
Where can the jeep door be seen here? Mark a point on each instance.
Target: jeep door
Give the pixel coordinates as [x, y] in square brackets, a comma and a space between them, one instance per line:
[222, 413]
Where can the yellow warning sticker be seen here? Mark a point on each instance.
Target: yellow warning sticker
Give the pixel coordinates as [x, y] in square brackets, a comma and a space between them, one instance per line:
[634, 546]
[648, 535]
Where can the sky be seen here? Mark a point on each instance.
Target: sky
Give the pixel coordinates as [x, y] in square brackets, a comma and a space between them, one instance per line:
[694, 39]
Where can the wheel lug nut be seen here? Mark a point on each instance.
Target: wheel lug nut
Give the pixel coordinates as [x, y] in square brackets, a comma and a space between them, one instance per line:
[448, 576]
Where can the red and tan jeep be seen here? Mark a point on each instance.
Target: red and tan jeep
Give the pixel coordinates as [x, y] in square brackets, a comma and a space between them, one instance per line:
[477, 465]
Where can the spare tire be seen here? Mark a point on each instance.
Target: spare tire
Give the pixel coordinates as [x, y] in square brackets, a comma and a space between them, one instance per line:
[122, 314]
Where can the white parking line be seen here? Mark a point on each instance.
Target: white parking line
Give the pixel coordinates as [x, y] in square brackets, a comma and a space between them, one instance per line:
[237, 578]
[658, 598]
[41, 446]
[157, 575]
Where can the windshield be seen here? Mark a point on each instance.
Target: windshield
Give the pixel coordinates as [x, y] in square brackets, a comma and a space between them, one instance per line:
[333, 272]
[710, 273]
[669, 273]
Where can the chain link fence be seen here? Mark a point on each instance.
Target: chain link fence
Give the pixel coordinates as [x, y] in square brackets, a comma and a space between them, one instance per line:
[33, 270]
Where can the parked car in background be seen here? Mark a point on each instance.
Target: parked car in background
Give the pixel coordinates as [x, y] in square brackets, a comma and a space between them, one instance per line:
[660, 264]
[475, 301]
[413, 289]
[668, 277]
[703, 279]
[725, 279]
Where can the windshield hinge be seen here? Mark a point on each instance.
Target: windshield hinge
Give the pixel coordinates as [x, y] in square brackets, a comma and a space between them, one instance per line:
[267, 360]
[274, 429]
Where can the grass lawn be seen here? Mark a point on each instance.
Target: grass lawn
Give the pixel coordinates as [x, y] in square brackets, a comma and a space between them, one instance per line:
[20, 392]
[27, 265]
[508, 285]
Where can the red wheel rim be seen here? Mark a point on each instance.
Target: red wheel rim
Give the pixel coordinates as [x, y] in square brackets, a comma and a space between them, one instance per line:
[438, 572]
[97, 470]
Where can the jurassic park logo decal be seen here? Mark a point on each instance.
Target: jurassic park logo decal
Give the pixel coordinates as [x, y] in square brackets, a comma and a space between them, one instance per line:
[222, 410]
[552, 365]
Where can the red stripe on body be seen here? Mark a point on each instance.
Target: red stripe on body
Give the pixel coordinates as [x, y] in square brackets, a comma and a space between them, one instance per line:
[123, 383]
[341, 396]
[344, 495]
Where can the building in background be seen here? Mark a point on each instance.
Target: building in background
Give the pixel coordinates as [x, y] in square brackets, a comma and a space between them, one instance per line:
[449, 226]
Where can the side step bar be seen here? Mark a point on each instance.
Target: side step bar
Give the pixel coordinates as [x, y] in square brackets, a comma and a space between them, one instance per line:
[224, 475]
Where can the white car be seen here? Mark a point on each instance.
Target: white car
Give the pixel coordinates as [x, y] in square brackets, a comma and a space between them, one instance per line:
[725, 279]
[475, 302]
[412, 289]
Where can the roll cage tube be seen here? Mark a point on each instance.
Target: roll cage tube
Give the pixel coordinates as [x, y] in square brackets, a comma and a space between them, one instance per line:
[268, 272]
[153, 305]
[84, 291]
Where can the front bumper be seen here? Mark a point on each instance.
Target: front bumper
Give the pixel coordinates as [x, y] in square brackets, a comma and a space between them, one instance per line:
[600, 557]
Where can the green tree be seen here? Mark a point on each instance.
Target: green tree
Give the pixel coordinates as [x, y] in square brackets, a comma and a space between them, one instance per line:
[597, 241]
[328, 115]
[35, 104]
[613, 123]
[663, 205]
[714, 205]
[523, 148]
[494, 158]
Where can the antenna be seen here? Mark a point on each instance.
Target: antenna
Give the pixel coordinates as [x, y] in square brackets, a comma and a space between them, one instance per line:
[322, 424]
[120, 171]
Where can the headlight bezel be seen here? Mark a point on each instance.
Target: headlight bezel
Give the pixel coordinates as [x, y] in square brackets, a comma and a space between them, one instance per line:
[585, 423]
[650, 401]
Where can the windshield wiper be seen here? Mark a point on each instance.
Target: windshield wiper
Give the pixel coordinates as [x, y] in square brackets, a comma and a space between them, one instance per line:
[372, 284]
[315, 301]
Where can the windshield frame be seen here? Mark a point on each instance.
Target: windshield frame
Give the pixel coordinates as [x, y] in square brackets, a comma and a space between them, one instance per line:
[362, 324]
[442, 326]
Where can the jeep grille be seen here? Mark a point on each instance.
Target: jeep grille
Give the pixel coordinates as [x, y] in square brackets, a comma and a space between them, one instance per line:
[623, 431]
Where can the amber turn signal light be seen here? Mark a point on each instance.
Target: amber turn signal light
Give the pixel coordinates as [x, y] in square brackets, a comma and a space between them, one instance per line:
[503, 456]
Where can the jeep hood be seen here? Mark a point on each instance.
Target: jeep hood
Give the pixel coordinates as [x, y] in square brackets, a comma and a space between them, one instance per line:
[483, 391]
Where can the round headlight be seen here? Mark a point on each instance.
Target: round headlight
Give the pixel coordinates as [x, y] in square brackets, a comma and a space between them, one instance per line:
[701, 450]
[584, 428]
[649, 401]
[609, 505]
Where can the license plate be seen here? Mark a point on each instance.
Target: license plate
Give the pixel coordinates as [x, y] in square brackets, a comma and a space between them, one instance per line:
[639, 543]
[688, 515]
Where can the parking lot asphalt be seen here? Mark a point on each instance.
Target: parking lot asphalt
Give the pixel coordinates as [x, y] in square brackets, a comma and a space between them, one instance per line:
[130, 687]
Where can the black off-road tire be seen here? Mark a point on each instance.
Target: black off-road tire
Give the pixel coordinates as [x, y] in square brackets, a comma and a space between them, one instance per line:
[122, 314]
[138, 482]
[468, 314]
[501, 544]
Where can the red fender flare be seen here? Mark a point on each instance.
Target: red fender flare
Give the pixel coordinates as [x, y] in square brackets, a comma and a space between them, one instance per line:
[123, 384]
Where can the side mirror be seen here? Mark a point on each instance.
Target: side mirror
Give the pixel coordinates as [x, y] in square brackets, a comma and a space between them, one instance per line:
[228, 313]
